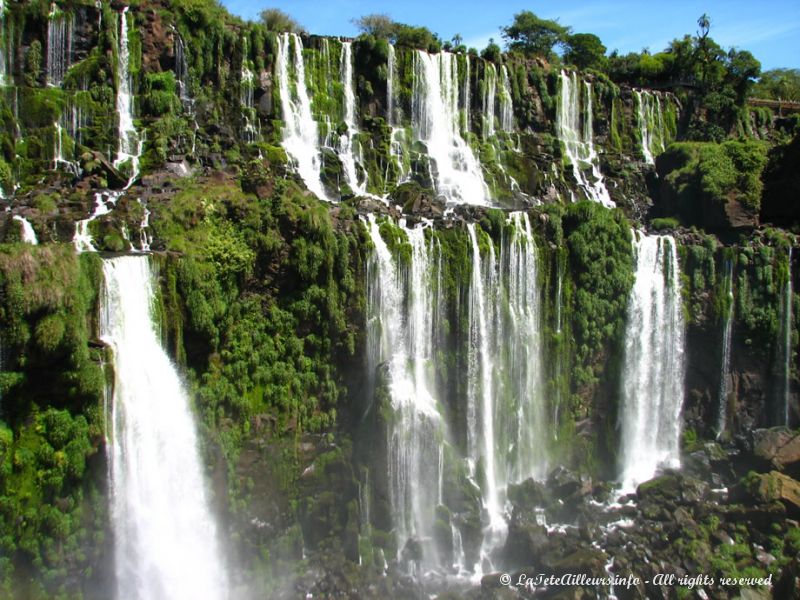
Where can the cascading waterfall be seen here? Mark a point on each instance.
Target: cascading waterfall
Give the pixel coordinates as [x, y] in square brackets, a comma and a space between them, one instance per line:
[403, 318]
[300, 133]
[786, 331]
[28, 234]
[506, 102]
[523, 372]
[60, 30]
[465, 120]
[391, 66]
[4, 66]
[246, 96]
[59, 159]
[103, 203]
[346, 152]
[164, 532]
[182, 72]
[578, 138]
[397, 148]
[653, 375]
[457, 172]
[480, 392]
[130, 146]
[727, 331]
[505, 396]
[651, 124]
[489, 93]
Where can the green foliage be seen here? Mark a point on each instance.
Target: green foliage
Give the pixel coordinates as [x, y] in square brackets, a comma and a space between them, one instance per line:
[378, 25]
[664, 223]
[47, 293]
[585, 51]
[278, 21]
[492, 52]
[533, 35]
[420, 38]
[277, 348]
[778, 84]
[717, 172]
[161, 94]
[601, 265]
[33, 63]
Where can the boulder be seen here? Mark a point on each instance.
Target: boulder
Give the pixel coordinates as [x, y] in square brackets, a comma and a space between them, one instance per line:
[774, 486]
[526, 540]
[778, 447]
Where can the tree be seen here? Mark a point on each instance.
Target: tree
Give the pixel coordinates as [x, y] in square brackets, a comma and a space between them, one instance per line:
[276, 20]
[704, 23]
[533, 35]
[421, 38]
[492, 52]
[379, 25]
[778, 84]
[743, 70]
[585, 51]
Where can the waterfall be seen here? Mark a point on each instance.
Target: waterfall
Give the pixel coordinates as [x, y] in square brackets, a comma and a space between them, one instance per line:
[467, 99]
[653, 374]
[489, 92]
[182, 72]
[506, 416]
[725, 367]
[28, 235]
[246, 96]
[457, 172]
[786, 330]
[60, 29]
[164, 533]
[391, 66]
[577, 138]
[652, 130]
[403, 317]
[480, 408]
[59, 160]
[300, 134]
[130, 146]
[346, 153]
[506, 102]
[523, 371]
[4, 62]
[103, 203]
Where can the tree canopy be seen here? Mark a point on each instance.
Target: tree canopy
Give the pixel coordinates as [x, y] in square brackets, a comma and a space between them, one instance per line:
[276, 20]
[533, 35]
[379, 25]
[778, 84]
[585, 51]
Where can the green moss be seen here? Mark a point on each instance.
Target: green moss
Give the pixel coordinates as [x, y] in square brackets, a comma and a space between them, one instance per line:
[664, 223]
[719, 172]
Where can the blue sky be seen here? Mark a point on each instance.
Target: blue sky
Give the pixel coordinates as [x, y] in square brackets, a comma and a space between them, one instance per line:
[770, 29]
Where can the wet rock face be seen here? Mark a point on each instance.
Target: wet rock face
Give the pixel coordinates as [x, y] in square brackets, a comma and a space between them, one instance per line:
[777, 448]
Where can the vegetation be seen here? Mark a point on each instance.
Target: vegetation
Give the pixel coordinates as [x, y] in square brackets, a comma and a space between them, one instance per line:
[699, 173]
[585, 51]
[533, 35]
[278, 21]
[778, 84]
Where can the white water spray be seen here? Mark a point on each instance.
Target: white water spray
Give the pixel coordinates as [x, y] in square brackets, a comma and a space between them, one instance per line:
[653, 375]
[577, 137]
[457, 172]
[165, 536]
[130, 146]
[300, 133]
